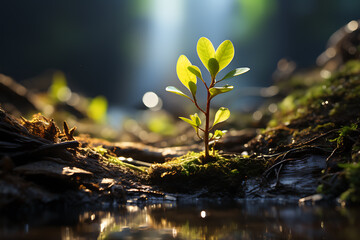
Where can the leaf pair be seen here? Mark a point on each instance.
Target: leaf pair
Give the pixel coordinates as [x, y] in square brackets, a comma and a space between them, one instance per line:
[213, 60]
[221, 115]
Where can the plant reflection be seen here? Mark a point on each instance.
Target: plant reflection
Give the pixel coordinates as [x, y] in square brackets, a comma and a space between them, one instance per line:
[245, 221]
[262, 219]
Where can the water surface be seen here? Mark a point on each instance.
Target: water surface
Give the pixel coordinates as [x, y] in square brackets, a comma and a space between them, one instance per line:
[260, 219]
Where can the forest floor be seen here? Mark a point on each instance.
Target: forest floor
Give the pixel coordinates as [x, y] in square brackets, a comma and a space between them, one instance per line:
[310, 146]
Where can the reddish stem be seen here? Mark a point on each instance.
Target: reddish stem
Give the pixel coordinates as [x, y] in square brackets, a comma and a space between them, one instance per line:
[207, 120]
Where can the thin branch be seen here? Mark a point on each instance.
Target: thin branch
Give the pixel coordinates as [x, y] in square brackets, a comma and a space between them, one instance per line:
[332, 153]
[201, 129]
[267, 172]
[205, 84]
[216, 82]
[213, 82]
[196, 104]
[316, 138]
[212, 127]
[197, 133]
[278, 175]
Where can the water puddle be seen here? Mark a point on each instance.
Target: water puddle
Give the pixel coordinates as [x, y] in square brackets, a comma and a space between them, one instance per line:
[255, 219]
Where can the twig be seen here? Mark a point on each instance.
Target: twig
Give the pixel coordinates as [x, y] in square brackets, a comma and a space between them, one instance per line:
[266, 173]
[278, 175]
[332, 153]
[317, 137]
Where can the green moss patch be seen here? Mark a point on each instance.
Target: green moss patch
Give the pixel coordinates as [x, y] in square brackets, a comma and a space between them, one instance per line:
[221, 175]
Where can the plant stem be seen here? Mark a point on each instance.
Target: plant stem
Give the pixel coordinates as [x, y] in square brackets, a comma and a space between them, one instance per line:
[207, 123]
[207, 120]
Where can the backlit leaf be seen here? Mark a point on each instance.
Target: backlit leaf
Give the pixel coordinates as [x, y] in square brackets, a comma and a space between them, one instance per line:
[189, 121]
[219, 133]
[235, 72]
[192, 87]
[221, 115]
[205, 51]
[210, 136]
[184, 75]
[213, 67]
[173, 89]
[218, 90]
[224, 54]
[195, 70]
[195, 118]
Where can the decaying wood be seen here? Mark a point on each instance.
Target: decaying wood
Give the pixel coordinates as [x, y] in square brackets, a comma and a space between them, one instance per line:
[39, 163]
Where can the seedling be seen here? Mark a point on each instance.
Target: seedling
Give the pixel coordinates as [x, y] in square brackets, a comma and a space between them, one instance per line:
[214, 61]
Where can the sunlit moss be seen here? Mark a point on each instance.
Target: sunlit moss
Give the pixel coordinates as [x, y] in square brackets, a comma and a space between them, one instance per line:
[115, 160]
[351, 67]
[329, 107]
[335, 96]
[344, 132]
[187, 173]
[352, 175]
[328, 125]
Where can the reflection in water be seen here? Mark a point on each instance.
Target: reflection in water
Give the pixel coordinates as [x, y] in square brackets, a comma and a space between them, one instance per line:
[240, 220]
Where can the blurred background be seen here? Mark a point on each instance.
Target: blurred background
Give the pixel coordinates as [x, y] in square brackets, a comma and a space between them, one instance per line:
[123, 49]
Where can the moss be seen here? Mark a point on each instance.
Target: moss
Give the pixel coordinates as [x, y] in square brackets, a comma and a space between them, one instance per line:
[352, 175]
[351, 67]
[328, 125]
[326, 114]
[337, 97]
[115, 160]
[188, 174]
[344, 132]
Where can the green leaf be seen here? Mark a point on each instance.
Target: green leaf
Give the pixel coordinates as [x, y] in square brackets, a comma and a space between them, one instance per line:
[189, 121]
[221, 115]
[219, 133]
[173, 89]
[194, 121]
[235, 72]
[210, 136]
[184, 75]
[195, 70]
[192, 87]
[224, 54]
[205, 51]
[218, 90]
[213, 67]
[195, 118]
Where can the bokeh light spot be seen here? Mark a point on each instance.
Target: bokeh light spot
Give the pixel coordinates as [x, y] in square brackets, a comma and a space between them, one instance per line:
[152, 101]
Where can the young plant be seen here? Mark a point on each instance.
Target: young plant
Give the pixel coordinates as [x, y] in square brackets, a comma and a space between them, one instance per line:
[214, 61]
